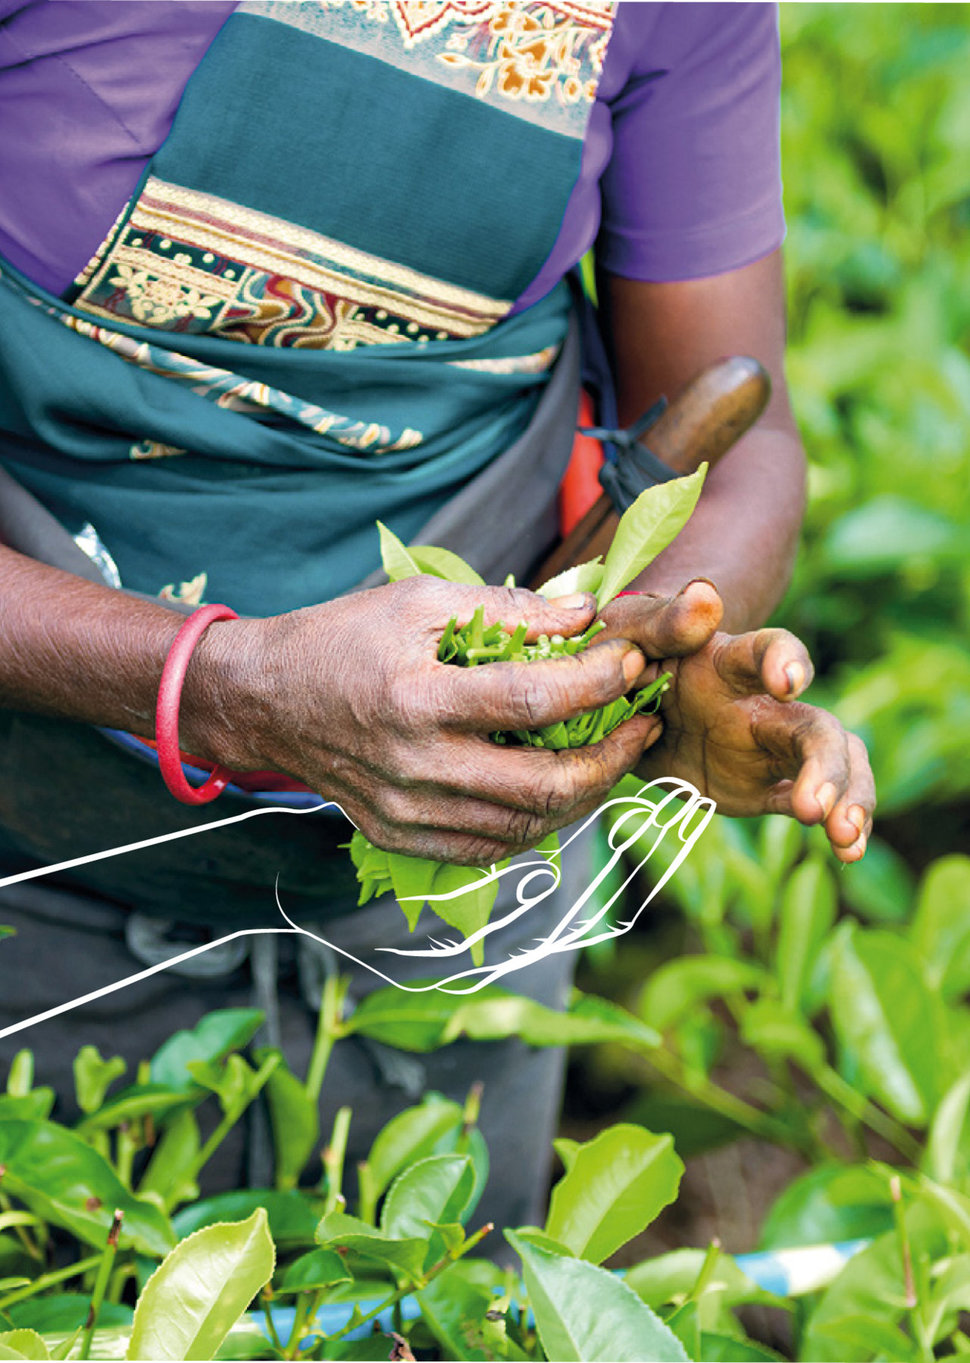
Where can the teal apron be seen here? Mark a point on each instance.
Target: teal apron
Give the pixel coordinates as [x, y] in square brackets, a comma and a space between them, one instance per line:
[287, 334]
[303, 319]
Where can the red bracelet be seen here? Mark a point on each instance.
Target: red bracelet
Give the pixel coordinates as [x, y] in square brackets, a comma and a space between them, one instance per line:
[167, 710]
[619, 594]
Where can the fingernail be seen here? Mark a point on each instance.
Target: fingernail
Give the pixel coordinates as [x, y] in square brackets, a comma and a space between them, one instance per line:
[633, 664]
[796, 678]
[571, 602]
[856, 816]
[825, 795]
[699, 582]
[859, 846]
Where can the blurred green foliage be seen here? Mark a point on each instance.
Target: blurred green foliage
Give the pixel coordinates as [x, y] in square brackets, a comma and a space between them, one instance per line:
[876, 151]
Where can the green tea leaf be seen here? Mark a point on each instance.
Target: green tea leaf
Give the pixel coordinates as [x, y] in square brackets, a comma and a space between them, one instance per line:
[886, 1018]
[293, 1215]
[771, 1030]
[864, 1335]
[94, 1076]
[435, 1191]
[66, 1311]
[675, 990]
[615, 1186]
[409, 1021]
[63, 1180]
[685, 1324]
[491, 1015]
[22, 1344]
[401, 561]
[191, 1302]
[470, 911]
[872, 1287]
[412, 879]
[34, 1106]
[672, 1277]
[585, 577]
[940, 929]
[174, 1153]
[211, 1039]
[806, 915]
[398, 563]
[656, 517]
[584, 1314]
[718, 1348]
[132, 1103]
[20, 1077]
[443, 563]
[294, 1117]
[318, 1268]
[883, 890]
[829, 1203]
[946, 1156]
[411, 1136]
[338, 1231]
[453, 1305]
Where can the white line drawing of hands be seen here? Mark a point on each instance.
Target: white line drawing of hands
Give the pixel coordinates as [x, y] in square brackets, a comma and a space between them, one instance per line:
[666, 811]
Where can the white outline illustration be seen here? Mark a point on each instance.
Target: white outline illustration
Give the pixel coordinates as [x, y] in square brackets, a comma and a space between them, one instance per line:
[665, 809]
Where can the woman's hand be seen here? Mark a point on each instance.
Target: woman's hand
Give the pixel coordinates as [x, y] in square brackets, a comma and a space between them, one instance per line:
[349, 697]
[733, 726]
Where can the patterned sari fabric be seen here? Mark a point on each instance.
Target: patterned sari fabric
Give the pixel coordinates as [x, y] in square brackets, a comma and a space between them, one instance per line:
[304, 318]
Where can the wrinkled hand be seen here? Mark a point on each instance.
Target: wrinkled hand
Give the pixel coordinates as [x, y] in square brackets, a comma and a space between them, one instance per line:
[733, 726]
[349, 697]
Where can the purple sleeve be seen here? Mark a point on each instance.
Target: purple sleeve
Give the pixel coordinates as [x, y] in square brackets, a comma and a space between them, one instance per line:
[693, 185]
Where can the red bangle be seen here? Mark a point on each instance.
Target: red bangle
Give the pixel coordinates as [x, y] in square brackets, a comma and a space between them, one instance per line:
[167, 710]
[619, 594]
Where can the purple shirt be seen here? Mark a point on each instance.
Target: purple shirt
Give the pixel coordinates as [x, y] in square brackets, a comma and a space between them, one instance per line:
[680, 170]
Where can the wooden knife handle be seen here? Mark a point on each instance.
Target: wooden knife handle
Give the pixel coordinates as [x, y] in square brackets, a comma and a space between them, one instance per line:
[702, 423]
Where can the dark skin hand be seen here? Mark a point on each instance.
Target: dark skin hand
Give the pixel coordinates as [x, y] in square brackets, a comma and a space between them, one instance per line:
[406, 750]
[732, 723]
[349, 697]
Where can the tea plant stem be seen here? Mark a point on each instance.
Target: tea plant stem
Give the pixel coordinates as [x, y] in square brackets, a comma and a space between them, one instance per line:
[469, 1116]
[100, 1285]
[119, 1277]
[719, 1100]
[706, 1271]
[125, 1148]
[265, 1297]
[306, 1309]
[428, 1277]
[333, 1161]
[18, 1227]
[57, 1275]
[862, 1110]
[18, 1223]
[230, 1118]
[917, 1324]
[366, 1194]
[329, 1029]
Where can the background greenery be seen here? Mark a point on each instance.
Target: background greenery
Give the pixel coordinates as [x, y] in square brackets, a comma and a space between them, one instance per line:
[876, 156]
[876, 112]
[802, 1032]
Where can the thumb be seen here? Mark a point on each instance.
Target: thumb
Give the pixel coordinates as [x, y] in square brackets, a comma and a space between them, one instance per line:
[666, 626]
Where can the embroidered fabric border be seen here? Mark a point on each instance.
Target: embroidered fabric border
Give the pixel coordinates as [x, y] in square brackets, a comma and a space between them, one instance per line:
[238, 394]
[536, 59]
[190, 261]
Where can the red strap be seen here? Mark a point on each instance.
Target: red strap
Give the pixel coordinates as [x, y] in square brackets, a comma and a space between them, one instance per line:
[167, 710]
